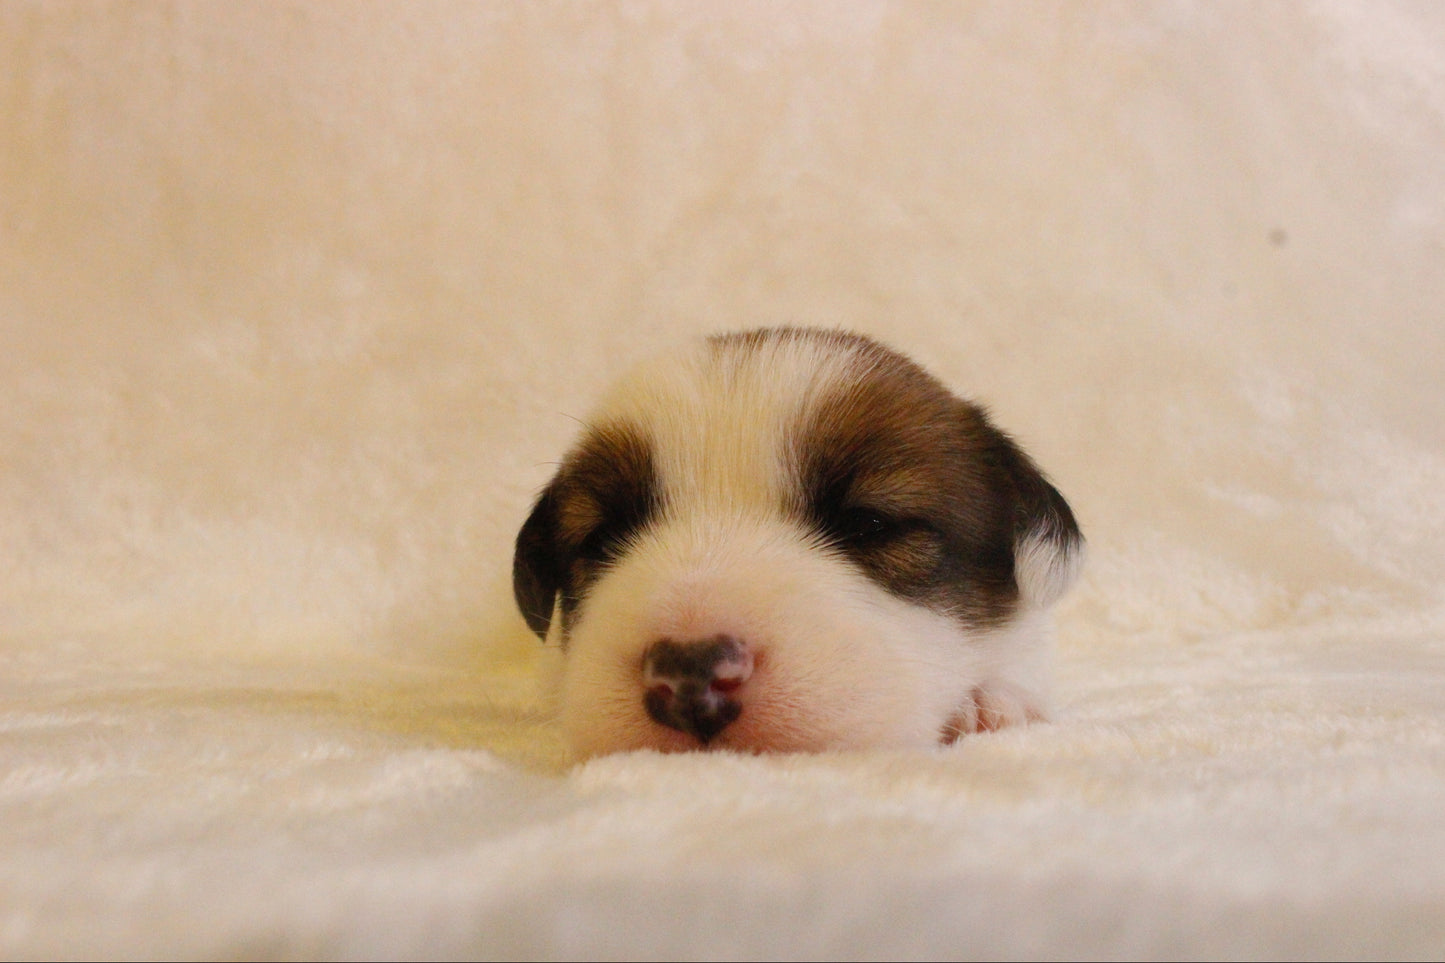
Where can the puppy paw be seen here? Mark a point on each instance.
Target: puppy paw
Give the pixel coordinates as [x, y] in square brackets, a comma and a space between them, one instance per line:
[993, 706]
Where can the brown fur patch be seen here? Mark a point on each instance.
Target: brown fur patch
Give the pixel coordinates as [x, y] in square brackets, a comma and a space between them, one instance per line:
[912, 484]
[605, 491]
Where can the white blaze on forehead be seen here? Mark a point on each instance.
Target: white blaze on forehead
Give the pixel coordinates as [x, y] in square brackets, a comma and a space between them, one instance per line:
[723, 417]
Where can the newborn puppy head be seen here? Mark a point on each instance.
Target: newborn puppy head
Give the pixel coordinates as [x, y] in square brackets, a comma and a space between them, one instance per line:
[791, 539]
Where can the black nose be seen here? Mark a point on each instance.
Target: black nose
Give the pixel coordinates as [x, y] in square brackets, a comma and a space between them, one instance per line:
[693, 686]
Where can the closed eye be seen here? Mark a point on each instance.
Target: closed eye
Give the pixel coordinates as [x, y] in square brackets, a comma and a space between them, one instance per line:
[904, 554]
[605, 542]
[863, 527]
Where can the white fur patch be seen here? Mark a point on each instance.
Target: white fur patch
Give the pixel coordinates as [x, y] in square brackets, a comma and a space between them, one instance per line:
[1044, 570]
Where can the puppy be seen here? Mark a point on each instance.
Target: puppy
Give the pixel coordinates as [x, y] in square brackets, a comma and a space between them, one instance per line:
[793, 540]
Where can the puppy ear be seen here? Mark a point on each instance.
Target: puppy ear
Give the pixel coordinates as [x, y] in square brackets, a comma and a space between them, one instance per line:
[536, 568]
[1048, 546]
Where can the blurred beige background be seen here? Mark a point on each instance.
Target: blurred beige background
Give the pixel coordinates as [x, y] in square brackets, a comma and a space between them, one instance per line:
[299, 300]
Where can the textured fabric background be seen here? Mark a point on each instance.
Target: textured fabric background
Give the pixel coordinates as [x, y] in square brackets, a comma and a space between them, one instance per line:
[299, 303]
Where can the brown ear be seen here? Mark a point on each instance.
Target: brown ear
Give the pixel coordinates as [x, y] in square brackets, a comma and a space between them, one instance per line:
[1048, 546]
[536, 567]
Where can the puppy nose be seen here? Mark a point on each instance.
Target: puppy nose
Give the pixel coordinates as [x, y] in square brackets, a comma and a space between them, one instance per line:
[693, 686]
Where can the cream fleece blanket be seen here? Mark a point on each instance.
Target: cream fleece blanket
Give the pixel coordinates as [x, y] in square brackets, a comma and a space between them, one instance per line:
[300, 301]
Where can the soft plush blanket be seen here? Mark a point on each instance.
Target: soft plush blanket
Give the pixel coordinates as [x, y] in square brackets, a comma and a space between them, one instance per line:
[299, 303]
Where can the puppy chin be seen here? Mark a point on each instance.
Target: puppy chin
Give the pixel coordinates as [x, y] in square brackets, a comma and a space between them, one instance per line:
[835, 663]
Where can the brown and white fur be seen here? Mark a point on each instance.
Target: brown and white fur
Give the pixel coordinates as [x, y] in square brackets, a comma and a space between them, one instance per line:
[793, 539]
